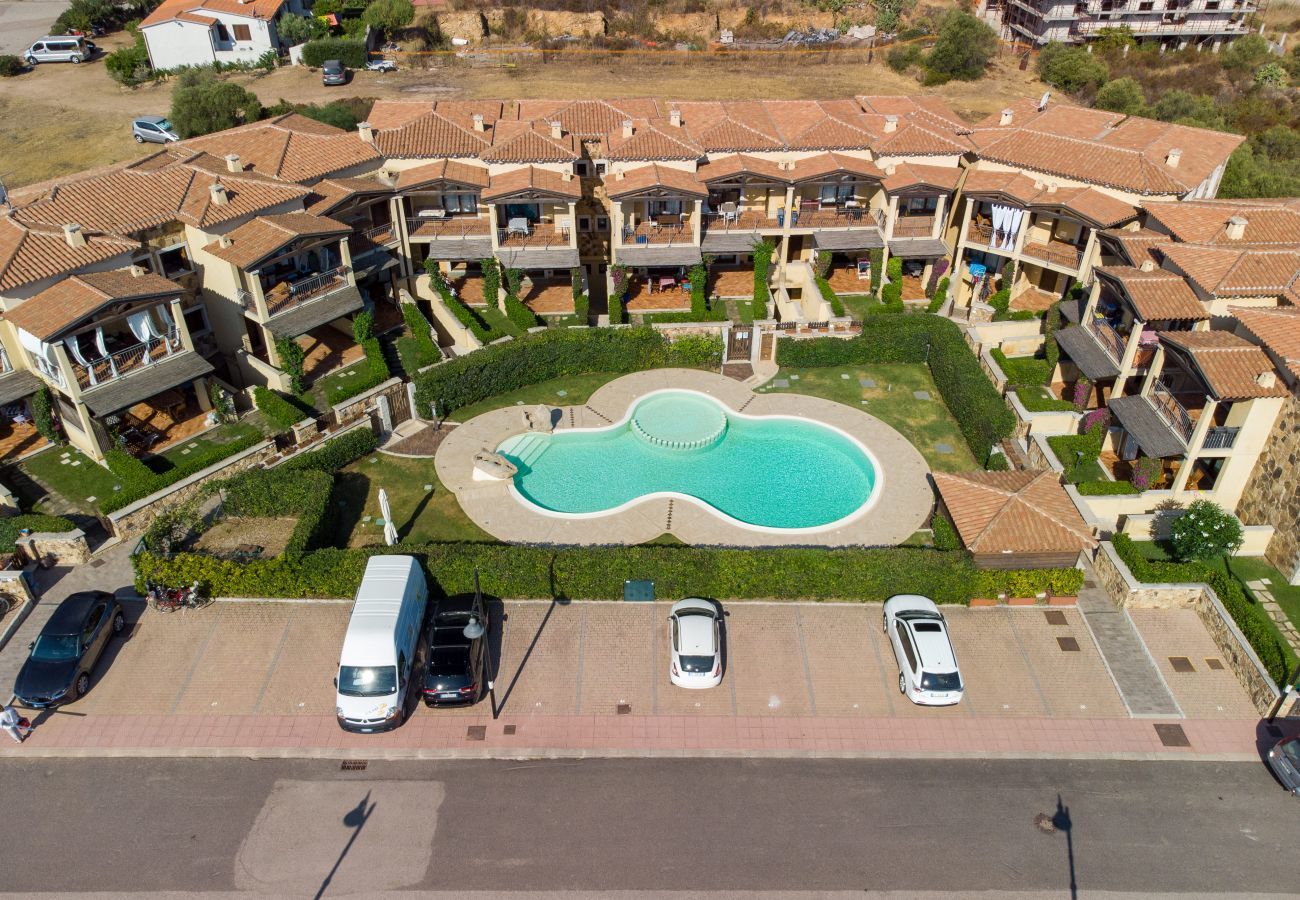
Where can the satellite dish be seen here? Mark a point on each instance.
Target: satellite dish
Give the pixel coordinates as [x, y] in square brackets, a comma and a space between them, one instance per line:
[1042, 104]
[474, 629]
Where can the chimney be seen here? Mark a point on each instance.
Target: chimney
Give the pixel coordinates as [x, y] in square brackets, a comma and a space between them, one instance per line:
[557, 130]
[1006, 117]
[1148, 265]
[1172, 157]
[675, 117]
[136, 271]
[891, 123]
[366, 131]
[218, 193]
[1266, 379]
[1051, 187]
[890, 170]
[224, 240]
[73, 234]
[233, 164]
[627, 128]
[1236, 228]
[478, 121]
[567, 175]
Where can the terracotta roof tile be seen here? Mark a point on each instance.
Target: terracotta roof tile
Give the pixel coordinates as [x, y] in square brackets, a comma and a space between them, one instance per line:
[587, 118]
[1228, 272]
[652, 141]
[1013, 512]
[290, 147]
[730, 134]
[1157, 295]
[429, 136]
[328, 194]
[33, 253]
[1233, 367]
[173, 9]
[534, 181]
[254, 241]
[634, 181]
[1015, 185]
[910, 175]
[1268, 222]
[741, 163]
[446, 170]
[1101, 209]
[527, 145]
[71, 300]
[1138, 246]
[1278, 329]
[832, 163]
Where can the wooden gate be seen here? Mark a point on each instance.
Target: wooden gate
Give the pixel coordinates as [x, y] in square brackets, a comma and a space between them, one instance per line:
[739, 344]
[399, 403]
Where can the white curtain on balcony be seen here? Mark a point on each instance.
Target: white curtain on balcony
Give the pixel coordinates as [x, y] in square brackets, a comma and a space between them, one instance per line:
[73, 343]
[141, 325]
[1006, 225]
[37, 346]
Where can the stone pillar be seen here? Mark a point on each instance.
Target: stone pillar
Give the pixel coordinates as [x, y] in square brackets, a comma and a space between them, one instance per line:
[201, 394]
[1194, 445]
[183, 330]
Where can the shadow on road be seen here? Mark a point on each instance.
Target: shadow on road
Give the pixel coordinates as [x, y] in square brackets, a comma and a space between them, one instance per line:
[355, 819]
[1062, 822]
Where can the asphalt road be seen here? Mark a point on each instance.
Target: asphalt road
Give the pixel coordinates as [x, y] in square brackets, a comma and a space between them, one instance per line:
[23, 21]
[293, 827]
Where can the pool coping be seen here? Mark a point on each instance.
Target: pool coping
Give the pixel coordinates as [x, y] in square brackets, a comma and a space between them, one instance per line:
[903, 504]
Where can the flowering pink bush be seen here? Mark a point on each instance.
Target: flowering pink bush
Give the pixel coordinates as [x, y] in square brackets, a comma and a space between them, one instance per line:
[1082, 390]
[1095, 418]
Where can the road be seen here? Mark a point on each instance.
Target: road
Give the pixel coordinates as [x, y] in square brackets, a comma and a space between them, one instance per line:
[23, 21]
[295, 827]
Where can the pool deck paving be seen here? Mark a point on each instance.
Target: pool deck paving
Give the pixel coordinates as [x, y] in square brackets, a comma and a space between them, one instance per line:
[589, 679]
[902, 504]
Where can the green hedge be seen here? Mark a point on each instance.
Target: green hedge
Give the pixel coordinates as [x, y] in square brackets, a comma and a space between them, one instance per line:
[599, 573]
[349, 51]
[581, 299]
[520, 315]
[335, 453]
[421, 339]
[283, 493]
[551, 354]
[981, 413]
[139, 481]
[33, 522]
[1022, 369]
[940, 296]
[945, 535]
[1249, 616]
[829, 295]
[763, 251]
[282, 414]
[877, 257]
[1105, 488]
[892, 293]
[1032, 399]
[376, 374]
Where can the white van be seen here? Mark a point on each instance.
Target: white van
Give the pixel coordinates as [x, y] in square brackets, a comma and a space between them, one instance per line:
[378, 664]
[62, 48]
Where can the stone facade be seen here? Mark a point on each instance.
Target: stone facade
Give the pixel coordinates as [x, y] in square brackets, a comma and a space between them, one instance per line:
[1272, 496]
[68, 548]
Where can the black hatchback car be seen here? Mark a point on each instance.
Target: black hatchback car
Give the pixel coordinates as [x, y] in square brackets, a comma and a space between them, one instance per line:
[457, 671]
[58, 668]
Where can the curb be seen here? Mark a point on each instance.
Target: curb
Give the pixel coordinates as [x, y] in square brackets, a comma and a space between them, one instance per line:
[19, 617]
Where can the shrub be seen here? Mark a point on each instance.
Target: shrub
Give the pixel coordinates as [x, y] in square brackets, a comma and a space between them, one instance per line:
[421, 336]
[1071, 69]
[1122, 95]
[129, 65]
[1105, 488]
[822, 263]
[963, 48]
[334, 454]
[491, 280]
[1271, 75]
[282, 414]
[514, 279]
[466, 316]
[11, 528]
[1146, 471]
[139, 480]
[1205, 531]
[1001, 303]
[903, 57]
[616, 310]
[695, 351]
[940, 296]
[981, 413]
[1249, 616]
[201, 105]
[363, 327]
[295, 30]
[1021, 369]
[349, 51]
[43, 415]
[390, 15]
[699, 278]
[877, 271]
[763, 251]
[945, 536]
[1051, 349]
[281, 493]
[581, 300]
[892, 293]
[292, 359]
[520, 315]
[829, 295]
[1245, 53]
[376, 373]
[11, 65]
[998, 463]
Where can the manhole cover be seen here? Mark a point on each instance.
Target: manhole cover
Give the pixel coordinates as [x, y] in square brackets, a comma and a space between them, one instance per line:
[95, 564]
[1043, 822]
[476, 733]
[1213, 663]
[1181, 664]
[1068, 644]
[625, 709]
[1173, 736]
[1055, 617]
[509, 729]
[353, 765]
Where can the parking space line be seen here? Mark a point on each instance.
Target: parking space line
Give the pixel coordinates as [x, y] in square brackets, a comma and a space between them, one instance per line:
[731, 660]
[1033, 674]
[582, 643]
[198, 657]
[275, 662]
[876, 637]
[807, 668]
[654, 659]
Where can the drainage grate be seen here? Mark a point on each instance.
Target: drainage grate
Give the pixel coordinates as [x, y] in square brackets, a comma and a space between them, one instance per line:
[625, 709]
[509, 729]
[1213, 663]
[95, 564]
[1181, 664]
[1068, 644]
[476, 733]
[1054, 617]
[353, 765]
[1173, 736]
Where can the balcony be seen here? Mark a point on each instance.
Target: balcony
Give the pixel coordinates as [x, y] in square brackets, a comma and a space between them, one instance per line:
[853, 214]
[978, 233]
[1220, 438]
[449, 227]
[127, 360]
[286, 295]
[914, 226]
[1110, 340]
[1060, 253]
[538, 236]
[741, 220]
[1173, 412]
[660, 231]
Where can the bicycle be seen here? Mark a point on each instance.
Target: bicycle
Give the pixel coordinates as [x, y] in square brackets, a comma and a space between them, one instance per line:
[165, 599]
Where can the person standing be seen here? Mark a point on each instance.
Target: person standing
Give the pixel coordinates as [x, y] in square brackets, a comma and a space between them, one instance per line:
[14, 724]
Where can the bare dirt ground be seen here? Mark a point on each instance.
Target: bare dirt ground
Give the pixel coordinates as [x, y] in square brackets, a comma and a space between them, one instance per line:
[65, 118]
[272, 535]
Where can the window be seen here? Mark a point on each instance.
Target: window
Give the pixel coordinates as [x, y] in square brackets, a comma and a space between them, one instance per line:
[460, 204]
[584, 223]
[602, 223]
[196, 320]
[581, 168]
[174, 261]
[222, 34]
[906, 642]
[243, 33]
[601, 168]
[920, 204]
[92, 623]
[367, 681]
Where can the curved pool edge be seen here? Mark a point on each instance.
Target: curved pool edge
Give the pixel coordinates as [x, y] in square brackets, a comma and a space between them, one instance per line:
[878, 485]
[905, 490]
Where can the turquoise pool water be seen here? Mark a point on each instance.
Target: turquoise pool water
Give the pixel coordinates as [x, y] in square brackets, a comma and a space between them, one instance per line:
[773, 472]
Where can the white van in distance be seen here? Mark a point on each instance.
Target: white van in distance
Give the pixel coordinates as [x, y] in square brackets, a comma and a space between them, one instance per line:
[378, 662]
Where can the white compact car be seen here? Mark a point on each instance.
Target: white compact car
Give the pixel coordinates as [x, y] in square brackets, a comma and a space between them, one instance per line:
[928, 673]
[695, 642]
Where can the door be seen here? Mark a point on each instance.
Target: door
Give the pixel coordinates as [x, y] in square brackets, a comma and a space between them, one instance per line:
[739, 344]
[399, 404]
[908, 660]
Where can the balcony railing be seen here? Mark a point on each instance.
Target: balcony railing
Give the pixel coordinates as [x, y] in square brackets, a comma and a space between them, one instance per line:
[914, 226]
[127, 360]
[1058, 252]
[5, 366]
[1111, 340]
[539, 235]
[287, 294]
[981, 234]
[1172, 411]
[449, 227]
[1220, 438]
[660, 233]
[380, 234]
[740, 220]
[50, 370]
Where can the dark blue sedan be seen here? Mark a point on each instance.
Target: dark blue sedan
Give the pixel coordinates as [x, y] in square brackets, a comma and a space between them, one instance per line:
[57, 670]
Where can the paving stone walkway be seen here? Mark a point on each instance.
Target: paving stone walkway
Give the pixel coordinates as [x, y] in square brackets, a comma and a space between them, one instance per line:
[1276, 613]
[1139, 682]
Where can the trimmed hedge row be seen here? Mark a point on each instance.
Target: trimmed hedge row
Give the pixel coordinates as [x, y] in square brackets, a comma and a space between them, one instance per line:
[282, 414]
[139, 481]
[599, 572]
[1105, 488]
[349, 51]
[545, 355]
[829, 295]
[11, 528]
[334, 454]
[282, 493]
[1249, 616]
[376, 373]
[981, 413]
[424, 350]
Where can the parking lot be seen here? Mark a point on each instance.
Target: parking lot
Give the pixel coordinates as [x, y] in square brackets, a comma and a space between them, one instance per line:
[278, 659]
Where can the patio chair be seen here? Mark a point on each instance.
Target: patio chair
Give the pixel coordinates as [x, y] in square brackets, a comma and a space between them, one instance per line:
[729, 212]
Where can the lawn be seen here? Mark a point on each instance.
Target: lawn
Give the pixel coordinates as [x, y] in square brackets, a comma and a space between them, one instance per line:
[1038, 398]
[571, 390]
[423, 509]
[859, 306]
[336, 387]
[926, 423]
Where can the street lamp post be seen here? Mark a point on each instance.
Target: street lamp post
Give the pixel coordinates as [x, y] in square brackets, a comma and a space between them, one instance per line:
[473, 631]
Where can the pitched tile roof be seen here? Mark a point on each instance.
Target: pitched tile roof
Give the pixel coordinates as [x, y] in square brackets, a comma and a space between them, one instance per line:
[290, 147]
[1157, 295]
[254, 241]
[1233, 367]
[824, 164]
[176, 9]
[524, 143]
[1228, 272]
[67, 303]
[741, 164]
[634, 181]
[533, 181]
[587, 118]
[31, 253]
[1268, 222]
[444, 170]
[1013, 512]
[651, 140]
[1015, 185]
[1277, 328]
[1100, 209]
[329, 194]
[909, 175]
[429, 135]
[1138, 246]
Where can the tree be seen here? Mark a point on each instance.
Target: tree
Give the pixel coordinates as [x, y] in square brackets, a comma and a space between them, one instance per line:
[129, 65]
[1122, 95]
[1205, 531]
[84, 15]
[1187, 109]
[1271, 75]
[964, 47]
[1071, 69]
[294, 30]
[201, 104]
[1114, 40]
[1245, 53]
[389, 15]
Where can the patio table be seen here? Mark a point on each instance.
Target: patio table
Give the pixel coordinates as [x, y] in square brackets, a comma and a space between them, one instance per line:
[517, 226]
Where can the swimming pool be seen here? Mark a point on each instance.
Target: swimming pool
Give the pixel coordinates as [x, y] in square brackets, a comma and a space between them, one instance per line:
[766, 472]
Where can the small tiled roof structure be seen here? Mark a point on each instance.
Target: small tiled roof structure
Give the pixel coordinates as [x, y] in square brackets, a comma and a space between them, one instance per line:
[1236, 272]
[65, 304]
[642, 178]
[1157, 295]
[1137, 245]
[1266, 222]
[533, 181]
[650, 140]
[1277, 328]
[824, 164]
[32, 253]
[909, 176]
[444, 170]
[289, 147]
[254, 241]
[425, 135]
[515, 142]
[1233, 368]
[734, 164]
[1014, 514]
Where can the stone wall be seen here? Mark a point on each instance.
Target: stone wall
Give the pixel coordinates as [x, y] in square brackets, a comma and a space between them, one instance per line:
[355, 407]
[1272, 496]
[68, 548]
[131, 521]
[14, 587]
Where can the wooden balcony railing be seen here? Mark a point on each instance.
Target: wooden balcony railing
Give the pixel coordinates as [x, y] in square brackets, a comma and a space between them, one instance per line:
[1057, 252]
[913, 226]
[1172, 411]
[127, 360]
[1111, 340]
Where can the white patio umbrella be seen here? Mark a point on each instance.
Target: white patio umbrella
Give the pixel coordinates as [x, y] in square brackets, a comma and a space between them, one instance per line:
[390, 530]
